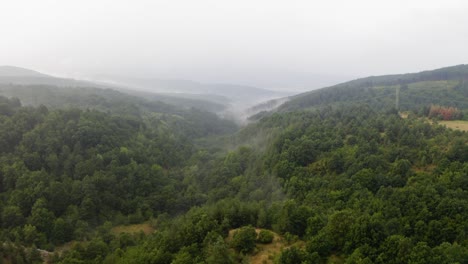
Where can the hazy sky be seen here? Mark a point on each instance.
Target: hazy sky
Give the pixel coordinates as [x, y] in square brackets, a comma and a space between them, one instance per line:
[250, 42]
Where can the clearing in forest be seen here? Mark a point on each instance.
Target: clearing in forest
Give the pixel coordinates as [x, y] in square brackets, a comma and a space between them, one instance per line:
[456, 124]
[266, 253]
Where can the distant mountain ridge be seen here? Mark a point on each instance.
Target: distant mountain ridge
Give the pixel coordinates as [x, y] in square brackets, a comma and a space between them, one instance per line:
[231, 92]
[18, 75]
[12, 71]
[227, 100]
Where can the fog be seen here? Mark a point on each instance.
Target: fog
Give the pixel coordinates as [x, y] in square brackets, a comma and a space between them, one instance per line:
[281, 45]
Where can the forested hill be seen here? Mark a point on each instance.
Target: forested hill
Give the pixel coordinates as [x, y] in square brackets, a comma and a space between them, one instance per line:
[445, 86]
[100, 98]
[35, 88]
[117, 179]
[192, 120]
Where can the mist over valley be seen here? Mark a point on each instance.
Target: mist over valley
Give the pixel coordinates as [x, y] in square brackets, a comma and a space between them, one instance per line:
[272, 132]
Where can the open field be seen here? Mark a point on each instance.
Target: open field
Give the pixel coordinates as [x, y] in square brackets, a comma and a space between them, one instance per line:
[456, 124]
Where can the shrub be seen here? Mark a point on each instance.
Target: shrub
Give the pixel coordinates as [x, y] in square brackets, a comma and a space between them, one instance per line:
[265, 237]
[243, 240]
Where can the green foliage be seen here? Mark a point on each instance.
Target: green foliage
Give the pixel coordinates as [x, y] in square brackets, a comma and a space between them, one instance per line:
[361, 184]
[192, 118]
[217, 252]
[244, 239]
[12, 216]
[265, 237]
[292, 255]
[418, 91]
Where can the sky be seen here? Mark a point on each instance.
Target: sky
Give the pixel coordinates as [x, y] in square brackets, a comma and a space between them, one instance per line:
[272, 44]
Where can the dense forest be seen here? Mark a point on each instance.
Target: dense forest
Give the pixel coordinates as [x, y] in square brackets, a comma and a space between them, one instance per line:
[336, 178]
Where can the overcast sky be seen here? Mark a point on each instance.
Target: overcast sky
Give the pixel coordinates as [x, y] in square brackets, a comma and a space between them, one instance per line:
[239, 41]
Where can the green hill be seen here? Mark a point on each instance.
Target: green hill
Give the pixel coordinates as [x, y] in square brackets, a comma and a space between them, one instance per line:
[35, 88]
[445, 86]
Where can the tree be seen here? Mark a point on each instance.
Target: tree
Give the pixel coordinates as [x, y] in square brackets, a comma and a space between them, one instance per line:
[395, 249]
[32, 236]
[338, 227]
[244, 239]
[217, 252]
[265, 237]
[61, 232]
[12, 216]
[292, 255]
[41, 217]
[422, 253]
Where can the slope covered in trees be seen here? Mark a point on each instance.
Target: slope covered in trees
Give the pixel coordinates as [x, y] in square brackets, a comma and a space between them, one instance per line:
[446, 87]
[345, 182]
[192, 120]
[363, 186]
[64, 172]
[87, 96]
[34, 88]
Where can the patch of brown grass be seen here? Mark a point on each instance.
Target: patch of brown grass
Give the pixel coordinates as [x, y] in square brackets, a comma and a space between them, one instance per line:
[456, 124]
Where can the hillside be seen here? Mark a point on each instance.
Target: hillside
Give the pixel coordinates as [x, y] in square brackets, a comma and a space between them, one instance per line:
[34, 88]
[236, 100]
[229, 101]
[445, 86]
[99, 98]
[351, 183]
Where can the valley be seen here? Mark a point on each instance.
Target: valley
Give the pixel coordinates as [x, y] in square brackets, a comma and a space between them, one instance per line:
[335, 175]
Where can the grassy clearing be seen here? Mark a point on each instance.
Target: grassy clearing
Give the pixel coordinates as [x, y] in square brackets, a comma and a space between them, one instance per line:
[131, 229]
[456, 124]
[266, 253]
[404, 114]
[453, 124]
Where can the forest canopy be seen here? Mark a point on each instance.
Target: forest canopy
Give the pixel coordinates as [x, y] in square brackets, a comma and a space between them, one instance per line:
[347, 182]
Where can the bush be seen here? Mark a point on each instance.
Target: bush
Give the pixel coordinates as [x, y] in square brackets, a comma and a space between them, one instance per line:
[243, 240]
[292, 255]
[265, 237]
